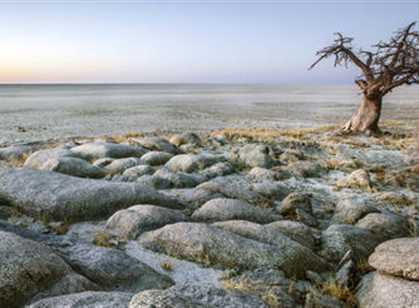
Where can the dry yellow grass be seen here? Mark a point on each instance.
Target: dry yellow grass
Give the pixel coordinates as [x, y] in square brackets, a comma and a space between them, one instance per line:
[269, 134]
[102, 239]
[363, 266]
[18, 162]
[167, 266]
[60, 228]
[124, 137]
[339, 292]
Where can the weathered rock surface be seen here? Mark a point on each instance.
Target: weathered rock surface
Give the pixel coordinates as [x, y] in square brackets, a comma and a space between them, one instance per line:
[297, 258]
[306, 169]
[218, 169]
[190, 162]
[122, 164]
[231, 186]
[185, 138]
[164, 178]
[261, 174]
[379, 290]
[86, 300]
[28, 268]
[337, 240]
[357, 179]
[398, 257]
[60, 197]
[193, 296]
[297, 231]
[155, 144]
[256, 155]
[371, 157]
[229, 209]
[385, 226]
[38, 159]
[97, 150]
[15, 152]
[66, 165]
[113, 268]
[211, 245]
[350, 210]
[156, 158]
[132, 222]
[269, 284]
[138, 171]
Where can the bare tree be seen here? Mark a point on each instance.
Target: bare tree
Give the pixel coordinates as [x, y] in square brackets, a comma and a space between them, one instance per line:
[390, 65]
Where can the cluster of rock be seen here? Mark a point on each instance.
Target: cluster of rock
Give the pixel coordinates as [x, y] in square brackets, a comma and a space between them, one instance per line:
[274, 219]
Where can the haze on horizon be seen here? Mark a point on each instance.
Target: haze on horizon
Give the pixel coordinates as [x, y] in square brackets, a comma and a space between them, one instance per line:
[167, 42]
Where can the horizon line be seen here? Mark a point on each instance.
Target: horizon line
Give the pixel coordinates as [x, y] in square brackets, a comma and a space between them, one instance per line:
[167, 83]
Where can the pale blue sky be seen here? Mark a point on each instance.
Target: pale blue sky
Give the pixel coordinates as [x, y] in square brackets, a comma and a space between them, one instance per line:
[232, 42]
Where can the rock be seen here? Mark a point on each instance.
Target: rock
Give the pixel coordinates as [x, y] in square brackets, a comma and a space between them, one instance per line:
[398, 257]
[62, 197]
[295, 201]
[162, 299]
[222, 209]
[198, 196]
[190, 162]
[395, 198]
[113, 268]
[298, 259]
[297, 206]
[261, 174]
[338, 239]
[297, 231]
[315, 299]
[218, 169]
[211, 245]
[306, 169]
[238, 187]
[269, 284]
[167, 179]
[156, 158]
[138, 171]
[357, 179]
[347, 275]
[155, 144]
[373, 157]
[378, 290]
[270, 190]
[73, 166]
[103, 162]
[154, 182]
[71, 283]
[86, 300]
[15, 152]
[386, 226]
[27, 268]
[350, 210]
[39, 158]
[292, 155]
[97, 150]
[185, 138]
[132, 222]
[188, 296]
[256, 155]
[122, 164]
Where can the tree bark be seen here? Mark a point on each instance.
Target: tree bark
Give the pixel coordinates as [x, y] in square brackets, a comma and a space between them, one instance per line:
[366, 118]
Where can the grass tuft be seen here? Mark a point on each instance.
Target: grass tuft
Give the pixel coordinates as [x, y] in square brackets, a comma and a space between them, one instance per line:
[102, 239]
[167, 266]
[334, 289]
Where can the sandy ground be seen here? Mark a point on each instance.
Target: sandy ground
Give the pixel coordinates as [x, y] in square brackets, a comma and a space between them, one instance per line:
[27, 119]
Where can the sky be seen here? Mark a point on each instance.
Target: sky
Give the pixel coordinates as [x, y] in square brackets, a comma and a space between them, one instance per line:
[189, 41]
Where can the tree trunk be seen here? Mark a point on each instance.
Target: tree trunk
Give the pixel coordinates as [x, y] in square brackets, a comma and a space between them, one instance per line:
[365, 119]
